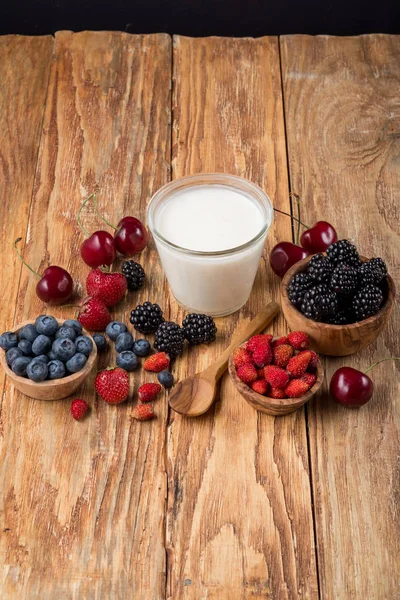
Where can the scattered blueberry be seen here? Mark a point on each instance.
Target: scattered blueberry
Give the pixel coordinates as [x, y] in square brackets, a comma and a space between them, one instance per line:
[76, 362]
[43, 357]
[29, 332]
[74, 324]
[166, 379]
[127, 360]
[41, 345]
[63, 348]
[12, 354]
[114, 328]
[37, 370]
[124, 342]
[66, 332]
[56, 369]
[51, 355]
[8, 340]
[100, 342]
[20, 364]
[46, 324]
[26, 347]
[142, 347]
[84, 345]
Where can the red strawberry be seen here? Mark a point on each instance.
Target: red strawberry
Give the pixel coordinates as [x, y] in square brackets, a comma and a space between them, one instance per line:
[143, 412]
[148, 391]
[156, 362]
[79, 409]
[257, 340]
[280, 341]
[277, 393]
[94, 315]
[262, 355]
[314, 360]
[282, 355]
[108, 287]
[260, 386]
[298, 339]
[241, 357]
[298, 364]
[309, 378]
[112, 385]
[247, 373]
[296, 388]
[276, 376]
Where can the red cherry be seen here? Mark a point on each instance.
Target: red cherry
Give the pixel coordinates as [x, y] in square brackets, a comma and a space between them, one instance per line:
[284, 255]
[131, 236]
[98, 249]
[319, 237]
[351, 387]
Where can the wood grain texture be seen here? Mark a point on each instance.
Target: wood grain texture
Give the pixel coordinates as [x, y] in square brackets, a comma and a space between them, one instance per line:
[342, 111]
[83, 512]
[239, 510]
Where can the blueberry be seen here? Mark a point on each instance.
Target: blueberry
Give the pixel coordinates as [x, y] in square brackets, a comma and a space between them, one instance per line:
[74, 324]
[142, 347]
[8, 340]
[41, 345]
[12, 354]
[56, 369]
[84, 345]
[43, 358]
[63, 348]
[37, 370]
[66, 332]
[127, 360]
[29, 332]
[114, 328]
[51, 355]
[100, 342]
[76, 363]
[26, 347]
[166, 379]
[46, 324]
[19, 365]
[124, 342]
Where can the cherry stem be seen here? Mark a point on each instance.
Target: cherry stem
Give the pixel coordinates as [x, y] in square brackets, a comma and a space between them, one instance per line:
[78, 216]
[291, 216]
[382, 360]
[22, 258]
[101, 216]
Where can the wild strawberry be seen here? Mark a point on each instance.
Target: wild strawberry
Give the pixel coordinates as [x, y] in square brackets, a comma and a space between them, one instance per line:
[112, 385]
[309, 378]
[148, 391]
[298, 364]
[262, 355]
[94, 315]
[260, 386]
[143, 412]
[247, 373]
[280, 341]
[260, 373]
[108, 287]
[257, 340]
[298, 340]
[241, 357]
[79, 409]
[157, 362]
[276, 376]
[296, 388]
[277, 393]
[314, 360]
[282, 355]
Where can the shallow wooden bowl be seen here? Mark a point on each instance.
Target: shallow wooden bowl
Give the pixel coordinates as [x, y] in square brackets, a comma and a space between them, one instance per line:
[56, 388]
[274, 406]
[336, 340]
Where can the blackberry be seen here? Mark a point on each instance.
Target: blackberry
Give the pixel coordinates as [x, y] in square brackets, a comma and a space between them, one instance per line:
[344, 279]
[319, 268]
[134, 274]
[372, 272]
[169, 338]
[147, 317]
[380, 266]
[199, 329]
[343, 251]
[342, 317]
[367, 302]
[297, 287]
[319, 303]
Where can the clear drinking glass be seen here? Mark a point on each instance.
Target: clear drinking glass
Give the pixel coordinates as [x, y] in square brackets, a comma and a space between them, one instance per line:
[214, 283]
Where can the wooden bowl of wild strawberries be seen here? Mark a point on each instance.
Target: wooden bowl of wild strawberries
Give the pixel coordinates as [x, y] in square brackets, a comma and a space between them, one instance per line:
[276, 375]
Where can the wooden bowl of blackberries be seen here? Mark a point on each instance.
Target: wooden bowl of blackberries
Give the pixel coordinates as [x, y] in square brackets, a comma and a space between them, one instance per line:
[340, 299]
[47, 359]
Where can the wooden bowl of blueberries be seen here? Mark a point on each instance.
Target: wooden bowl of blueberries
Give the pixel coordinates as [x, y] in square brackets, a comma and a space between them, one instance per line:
[340, 299]
[47, 359]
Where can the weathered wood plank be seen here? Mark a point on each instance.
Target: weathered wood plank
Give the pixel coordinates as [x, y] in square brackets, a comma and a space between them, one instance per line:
[239, 510]
[84, 503]
[342, 111]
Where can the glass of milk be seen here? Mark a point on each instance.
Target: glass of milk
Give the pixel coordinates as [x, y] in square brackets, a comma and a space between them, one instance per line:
[210, 231]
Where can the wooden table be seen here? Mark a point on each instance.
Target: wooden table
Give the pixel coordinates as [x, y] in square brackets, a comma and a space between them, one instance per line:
[233, 505]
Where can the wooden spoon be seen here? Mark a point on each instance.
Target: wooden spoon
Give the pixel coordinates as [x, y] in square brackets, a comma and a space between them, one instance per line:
[194, 396]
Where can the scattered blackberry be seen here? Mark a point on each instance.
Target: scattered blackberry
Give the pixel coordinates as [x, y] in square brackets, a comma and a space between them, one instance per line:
[343, 251]
[344, 279]
[134, 274]
[199, 329]
[297, 287]
[367, 302]
[169, 338]
[320, 268]
[319, 303]
[146, 317]
[372, 272]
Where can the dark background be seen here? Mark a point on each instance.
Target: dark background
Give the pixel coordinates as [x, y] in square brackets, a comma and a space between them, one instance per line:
[202, 17]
